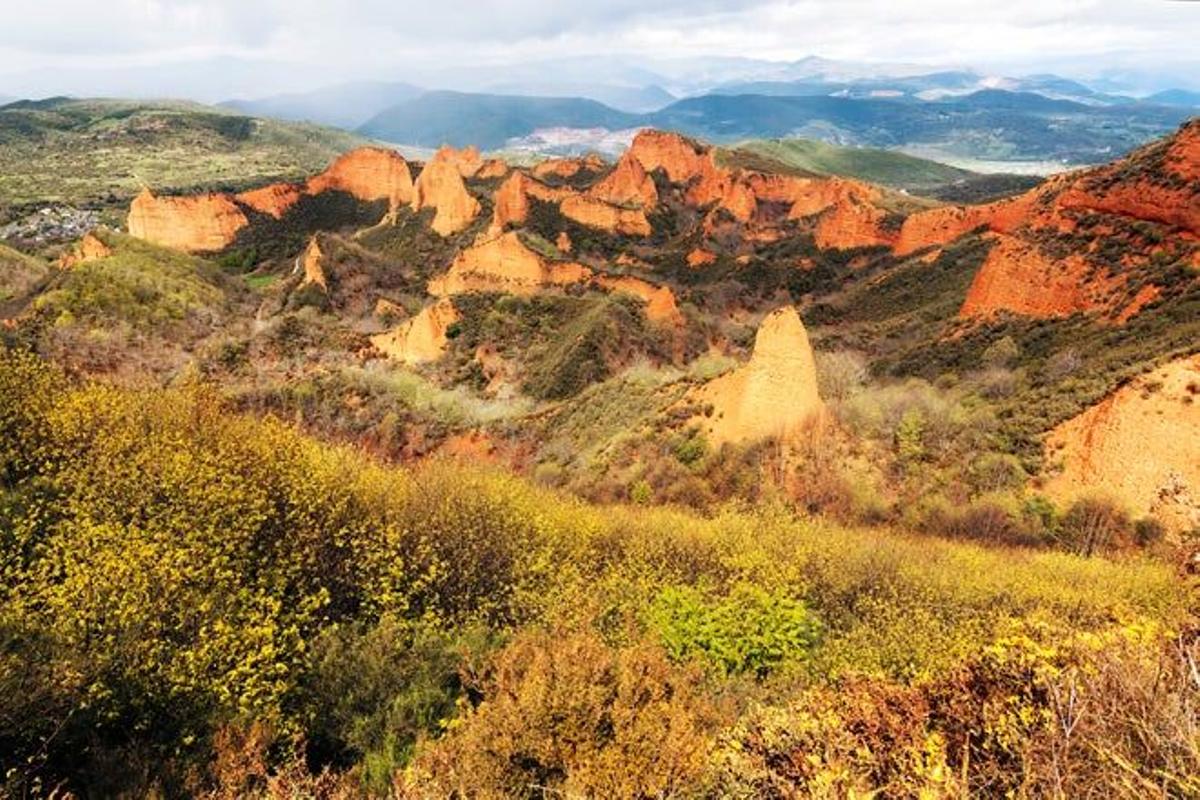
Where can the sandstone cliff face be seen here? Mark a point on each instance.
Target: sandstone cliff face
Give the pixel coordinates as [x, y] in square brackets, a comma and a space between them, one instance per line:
[627, 184]
[660, 300]
[505, 264]
[421, 339]
[1016, 277]
[368, 173]
[492, 168]
[773, 393]
[511, 201]
[89, 248]
[196, 224]
[680, 158]
[568, 167]
[440, 186]
[603, 216]
[1140, 446]
[467, 161]
[275, 199]
[210, 222]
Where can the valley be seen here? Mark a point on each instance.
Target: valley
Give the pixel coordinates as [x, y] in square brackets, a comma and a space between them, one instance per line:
[728, 465]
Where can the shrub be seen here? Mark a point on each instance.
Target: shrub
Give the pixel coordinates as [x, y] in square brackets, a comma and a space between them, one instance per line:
[1095, 525]
[749, 631]
[566, 714]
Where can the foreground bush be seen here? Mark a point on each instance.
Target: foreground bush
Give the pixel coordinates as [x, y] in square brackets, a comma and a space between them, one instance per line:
[196, 602]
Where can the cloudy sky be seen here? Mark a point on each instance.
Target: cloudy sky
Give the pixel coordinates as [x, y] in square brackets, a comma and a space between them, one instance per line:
[214, 48]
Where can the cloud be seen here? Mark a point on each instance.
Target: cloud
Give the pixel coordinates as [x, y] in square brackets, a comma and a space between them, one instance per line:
[393, 38]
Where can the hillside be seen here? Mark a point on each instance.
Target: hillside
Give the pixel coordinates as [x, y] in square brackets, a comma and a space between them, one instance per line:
[890, 168]
[75, 151]
[487, 121]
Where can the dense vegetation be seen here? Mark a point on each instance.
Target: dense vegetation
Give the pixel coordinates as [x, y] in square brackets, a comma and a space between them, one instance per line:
[196, 602]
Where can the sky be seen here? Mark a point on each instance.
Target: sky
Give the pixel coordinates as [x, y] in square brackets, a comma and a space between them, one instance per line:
[211, 48]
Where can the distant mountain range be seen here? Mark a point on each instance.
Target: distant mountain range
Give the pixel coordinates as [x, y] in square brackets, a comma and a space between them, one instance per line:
[346, 105]
[988, 124]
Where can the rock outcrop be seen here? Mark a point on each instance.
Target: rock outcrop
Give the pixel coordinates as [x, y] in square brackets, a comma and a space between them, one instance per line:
[440, 186]
[772, 394]
[467, 161]
[1139, 446]
[628, 185]
[422, 338]
[1017, 278]
[505, 264]
[660, 300]
[603, 216]
[492, 168]
[309, 263]
[699, 257]
[369, 174]
[89, 248]
[511, 201]
[682, 159]
[211, 222]
[568, 167]
[274, 200]
[195, 224]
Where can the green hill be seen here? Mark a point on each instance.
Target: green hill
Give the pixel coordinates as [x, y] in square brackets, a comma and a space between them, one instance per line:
[74, 151]
[488, 120]
[887, 167]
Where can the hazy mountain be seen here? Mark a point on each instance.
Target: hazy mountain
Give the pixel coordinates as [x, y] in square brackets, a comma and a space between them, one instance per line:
[345, 105]
[1175, 97]
[635, 99]
[488, 121]
[989, 124]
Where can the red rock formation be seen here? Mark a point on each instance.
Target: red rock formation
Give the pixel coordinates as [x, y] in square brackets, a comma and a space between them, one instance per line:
[467, 161]
[660, 300]
[275, 199]
[1140, 446]
[194, 224]
[511, 201]
[563, 242]
[681, 158]
[440, 186]
[1016, 277]
[505, 264]
[773, 393]
[627, 184]
[368, 173]
[568, 167]
[210, 222]
[603, 216]
[422, 338]
[310, 262]
[89, 248]
[492, 168]
[700, 258]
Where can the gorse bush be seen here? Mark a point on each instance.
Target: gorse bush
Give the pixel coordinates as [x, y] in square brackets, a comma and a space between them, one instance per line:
[200, 602]
[751, 630]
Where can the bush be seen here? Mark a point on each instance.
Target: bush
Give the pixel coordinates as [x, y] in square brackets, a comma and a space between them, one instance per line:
[566, 714]
[1095, 525]
[749, 631]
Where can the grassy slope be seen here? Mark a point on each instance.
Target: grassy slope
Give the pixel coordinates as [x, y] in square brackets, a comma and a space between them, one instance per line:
[18, 274]
[864, 163]
[81, 150]
[886, 167]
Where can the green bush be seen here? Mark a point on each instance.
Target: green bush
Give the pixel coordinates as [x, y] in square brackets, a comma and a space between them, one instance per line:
[750, 630]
